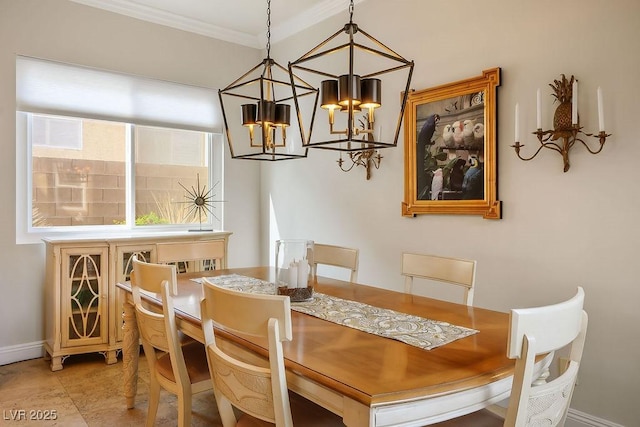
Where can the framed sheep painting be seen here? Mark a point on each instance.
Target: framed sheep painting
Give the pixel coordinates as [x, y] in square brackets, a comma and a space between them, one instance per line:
[450, 149]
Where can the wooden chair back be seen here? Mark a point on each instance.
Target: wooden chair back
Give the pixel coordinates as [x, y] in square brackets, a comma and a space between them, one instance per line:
[533, 332]
[198, 252]
[166, 357]
[456, 271]
[536, 331]
[156, 332]
[336, 256]
[261, 392]
[149, 277]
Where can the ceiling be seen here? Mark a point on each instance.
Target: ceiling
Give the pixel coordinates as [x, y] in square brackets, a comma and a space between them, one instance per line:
[238, 21]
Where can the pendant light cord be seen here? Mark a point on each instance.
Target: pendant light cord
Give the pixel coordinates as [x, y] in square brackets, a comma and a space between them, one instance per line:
[269, 28]
[351, 12]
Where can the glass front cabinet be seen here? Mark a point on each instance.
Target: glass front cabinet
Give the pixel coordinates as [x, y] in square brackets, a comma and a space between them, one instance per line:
[84, 292]
[83, 306]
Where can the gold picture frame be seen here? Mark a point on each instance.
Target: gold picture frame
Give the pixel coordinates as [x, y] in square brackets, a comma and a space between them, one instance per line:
[453, 128]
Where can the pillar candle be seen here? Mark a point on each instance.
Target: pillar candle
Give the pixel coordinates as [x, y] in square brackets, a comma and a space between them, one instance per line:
[293, 275]
[303, 273]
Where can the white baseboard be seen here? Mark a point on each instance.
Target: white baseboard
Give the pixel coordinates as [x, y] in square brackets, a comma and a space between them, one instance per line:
[580, 419]
[18, 353]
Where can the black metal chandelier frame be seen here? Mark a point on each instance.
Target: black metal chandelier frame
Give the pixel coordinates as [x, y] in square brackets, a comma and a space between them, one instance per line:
[347, 139]
[268, 106]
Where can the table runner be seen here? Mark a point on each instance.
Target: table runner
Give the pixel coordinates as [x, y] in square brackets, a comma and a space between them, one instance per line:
[410, 329]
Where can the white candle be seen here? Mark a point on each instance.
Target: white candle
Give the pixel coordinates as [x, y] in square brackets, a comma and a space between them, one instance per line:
[303, 273]
[293, 275]
[517, 132]
[574, 103]
[538, 111]
[600, 111]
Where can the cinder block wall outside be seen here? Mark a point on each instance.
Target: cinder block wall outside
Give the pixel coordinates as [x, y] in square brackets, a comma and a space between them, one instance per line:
[91, 192]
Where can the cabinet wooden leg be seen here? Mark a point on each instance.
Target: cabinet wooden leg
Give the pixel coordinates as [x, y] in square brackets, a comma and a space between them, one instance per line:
[111, 357]
[130, 353]
[56, 363]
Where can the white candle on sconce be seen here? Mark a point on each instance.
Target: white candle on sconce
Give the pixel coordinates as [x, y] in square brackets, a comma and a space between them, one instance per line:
[600, 111]
[574, 103]
[538, 111]
[517, 130]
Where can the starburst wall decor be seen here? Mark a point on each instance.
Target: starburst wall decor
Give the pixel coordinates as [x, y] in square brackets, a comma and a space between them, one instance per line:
[201, 202]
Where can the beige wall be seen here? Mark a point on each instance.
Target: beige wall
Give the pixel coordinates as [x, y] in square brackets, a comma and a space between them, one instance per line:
[69, 32]
[559, 230]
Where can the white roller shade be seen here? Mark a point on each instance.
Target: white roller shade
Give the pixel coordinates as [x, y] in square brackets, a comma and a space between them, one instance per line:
[63, 89]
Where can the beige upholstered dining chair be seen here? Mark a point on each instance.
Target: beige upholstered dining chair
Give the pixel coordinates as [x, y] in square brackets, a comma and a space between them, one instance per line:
[461, 272]
[532, 332]
[259, 392]
[203, 255]
[179, 369]
[336, 256]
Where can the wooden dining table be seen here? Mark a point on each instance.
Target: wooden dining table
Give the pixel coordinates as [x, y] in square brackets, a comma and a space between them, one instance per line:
[367, 379]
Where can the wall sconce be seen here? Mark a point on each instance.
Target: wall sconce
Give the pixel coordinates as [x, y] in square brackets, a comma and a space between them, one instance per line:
[354, 90]
[566, 123]
[364, 158]
[268, 86]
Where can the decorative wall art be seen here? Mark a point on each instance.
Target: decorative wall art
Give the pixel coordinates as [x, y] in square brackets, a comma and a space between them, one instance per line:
[450, 149]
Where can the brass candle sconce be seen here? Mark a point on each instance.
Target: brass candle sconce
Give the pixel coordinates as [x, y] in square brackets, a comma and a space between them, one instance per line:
[366, 158]
[566, 123]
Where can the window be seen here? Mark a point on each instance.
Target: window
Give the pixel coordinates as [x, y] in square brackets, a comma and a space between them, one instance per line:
[81, 171]
[60, 132]
[84, 183]
[171, 169]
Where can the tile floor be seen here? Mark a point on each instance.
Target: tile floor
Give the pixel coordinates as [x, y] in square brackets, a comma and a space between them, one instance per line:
[87, 392]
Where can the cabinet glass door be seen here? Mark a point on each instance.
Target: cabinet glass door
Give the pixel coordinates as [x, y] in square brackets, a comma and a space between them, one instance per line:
[84, 298]
[124, 267]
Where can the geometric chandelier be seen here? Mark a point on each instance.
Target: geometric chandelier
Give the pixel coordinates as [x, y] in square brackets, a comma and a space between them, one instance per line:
[259, 104]
[349, 74]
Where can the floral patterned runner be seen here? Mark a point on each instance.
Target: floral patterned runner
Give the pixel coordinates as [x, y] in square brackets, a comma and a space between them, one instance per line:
[413, 330]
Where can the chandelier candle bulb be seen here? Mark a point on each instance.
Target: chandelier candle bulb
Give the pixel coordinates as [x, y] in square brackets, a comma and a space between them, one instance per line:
[600, 111]
[574, 103]
[538, 111]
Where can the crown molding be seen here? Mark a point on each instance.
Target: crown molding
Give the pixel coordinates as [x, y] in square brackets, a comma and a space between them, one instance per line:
[281, 31]
[306, 19]
[174, 21]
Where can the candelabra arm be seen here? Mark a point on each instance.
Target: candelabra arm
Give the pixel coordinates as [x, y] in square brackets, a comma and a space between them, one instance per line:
[517, 147]
[341, 162]
[544, 138]
[601, 137]
[367, 158]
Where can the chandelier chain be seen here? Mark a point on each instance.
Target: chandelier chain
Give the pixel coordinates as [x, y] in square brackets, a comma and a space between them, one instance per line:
[351, 7]
[268, 28]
